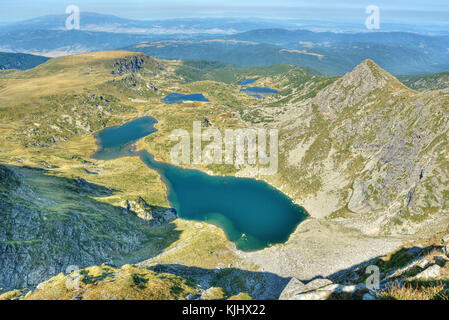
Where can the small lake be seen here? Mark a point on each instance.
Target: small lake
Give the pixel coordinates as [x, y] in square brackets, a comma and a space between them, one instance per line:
[258, 92]
[115, 142]
[252, 213]
[179, 98]
[246, 81]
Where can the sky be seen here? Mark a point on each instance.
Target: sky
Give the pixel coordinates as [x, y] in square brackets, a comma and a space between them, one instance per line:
[410, 11]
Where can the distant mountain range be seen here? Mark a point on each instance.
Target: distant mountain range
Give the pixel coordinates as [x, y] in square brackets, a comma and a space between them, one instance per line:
[412, 54]
[241, 42]
[108, 23]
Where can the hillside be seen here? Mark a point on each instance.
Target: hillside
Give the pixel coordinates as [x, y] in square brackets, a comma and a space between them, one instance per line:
[415, 271]
[19, 61]
[366, 144]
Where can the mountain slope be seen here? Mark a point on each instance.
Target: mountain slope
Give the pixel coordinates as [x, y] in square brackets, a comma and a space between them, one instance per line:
[50, 223]
[368, 150]
[68, 209]
[107, 283]
[56, 43]
[92, 21]
[334, 58]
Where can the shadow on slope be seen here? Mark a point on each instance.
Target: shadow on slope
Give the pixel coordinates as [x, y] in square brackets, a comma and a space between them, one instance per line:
[260, 285]
[49, 223]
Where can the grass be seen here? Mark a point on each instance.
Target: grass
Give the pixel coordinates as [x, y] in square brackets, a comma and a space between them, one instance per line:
[106, 283]
[199, 245]
[417, 290]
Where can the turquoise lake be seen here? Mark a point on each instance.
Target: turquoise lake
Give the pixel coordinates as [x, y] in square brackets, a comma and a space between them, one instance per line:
[179, 98]
[247, 81]
[253, 214]
[259, 92]
[117, 141]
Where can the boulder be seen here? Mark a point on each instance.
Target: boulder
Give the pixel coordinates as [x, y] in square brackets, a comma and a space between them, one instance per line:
[321, 289]
[423, 263]
[414, 251]
[441, 260]
[292, 287]
[446, 250]
[432, 272]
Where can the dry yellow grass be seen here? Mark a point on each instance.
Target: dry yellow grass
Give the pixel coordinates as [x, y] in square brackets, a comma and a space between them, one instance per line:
[108, 283]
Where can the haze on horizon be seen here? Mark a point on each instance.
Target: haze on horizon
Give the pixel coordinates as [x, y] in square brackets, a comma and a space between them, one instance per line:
[434, 12]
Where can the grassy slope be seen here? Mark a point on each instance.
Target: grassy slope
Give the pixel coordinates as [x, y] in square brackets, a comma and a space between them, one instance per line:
[106, 283]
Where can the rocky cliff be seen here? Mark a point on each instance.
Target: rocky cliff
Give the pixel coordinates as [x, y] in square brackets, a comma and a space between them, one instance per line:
[50, 223]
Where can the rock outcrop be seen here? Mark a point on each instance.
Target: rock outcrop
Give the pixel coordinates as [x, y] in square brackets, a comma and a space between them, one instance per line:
[49, 227]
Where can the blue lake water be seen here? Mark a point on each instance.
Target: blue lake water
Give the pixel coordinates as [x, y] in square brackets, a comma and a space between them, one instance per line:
[117, 141]
[259, 92]
[253, 214]
[247, 81]
[179, 98]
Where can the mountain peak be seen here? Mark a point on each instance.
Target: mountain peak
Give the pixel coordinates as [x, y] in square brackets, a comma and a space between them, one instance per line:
[370, 76]
[356, 86]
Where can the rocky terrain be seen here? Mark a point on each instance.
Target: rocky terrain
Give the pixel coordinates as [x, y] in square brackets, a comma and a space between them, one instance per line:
[44, 232]
[438, 81]
[366, 151]
[416, 271]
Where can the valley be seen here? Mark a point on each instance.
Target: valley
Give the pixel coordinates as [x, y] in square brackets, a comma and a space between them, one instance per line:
[366, 156]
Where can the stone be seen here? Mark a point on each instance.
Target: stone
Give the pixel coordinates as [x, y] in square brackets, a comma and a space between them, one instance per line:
[440, 260]
[213, 293]
[41, 286]
[446, 250]
[350, 291]
[368, 296]
[423, 263]
[292, 287]
[430, 273]
[321, 289]
[318, 289]
[323, 293]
